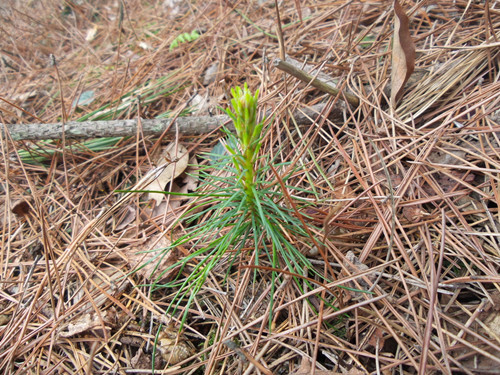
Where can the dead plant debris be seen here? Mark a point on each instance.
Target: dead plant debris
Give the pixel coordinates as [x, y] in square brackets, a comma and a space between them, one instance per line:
[404, 200]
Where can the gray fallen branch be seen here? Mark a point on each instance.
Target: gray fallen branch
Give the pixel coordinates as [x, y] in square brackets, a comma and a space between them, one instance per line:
[291, 67]
[124, 128]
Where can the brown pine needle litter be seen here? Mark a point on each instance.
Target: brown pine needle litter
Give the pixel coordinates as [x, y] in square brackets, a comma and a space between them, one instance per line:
[403, 201]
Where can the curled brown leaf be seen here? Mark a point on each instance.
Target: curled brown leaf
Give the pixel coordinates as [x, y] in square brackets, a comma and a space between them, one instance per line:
[403, 54]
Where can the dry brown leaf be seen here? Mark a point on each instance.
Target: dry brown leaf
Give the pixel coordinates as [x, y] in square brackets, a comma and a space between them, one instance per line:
[305, 369]
[111, 281]
[396, 179]
[173, 346]
[126, 218]
[190, 179]
[447, 183]
[176, 158]
[403, 54]
[104, 285]
[450, 157]
[493, 324]
[354, 266]
[491, 316]
[79, 325]
[377, 339]
[211, 73]
[490, 328]
[140, 360]
[413, 213]
[21, 208]
[86, 322]
[4, 319]
[189, 183]
[91, 33]
[146, 255]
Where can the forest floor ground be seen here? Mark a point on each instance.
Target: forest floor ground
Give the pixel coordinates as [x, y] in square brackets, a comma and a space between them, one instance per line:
[402, 201]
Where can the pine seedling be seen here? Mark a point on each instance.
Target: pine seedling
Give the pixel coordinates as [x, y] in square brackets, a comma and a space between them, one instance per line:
[244, 213]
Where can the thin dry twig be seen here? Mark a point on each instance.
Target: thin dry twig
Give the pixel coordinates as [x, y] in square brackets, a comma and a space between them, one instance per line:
[193, 125]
